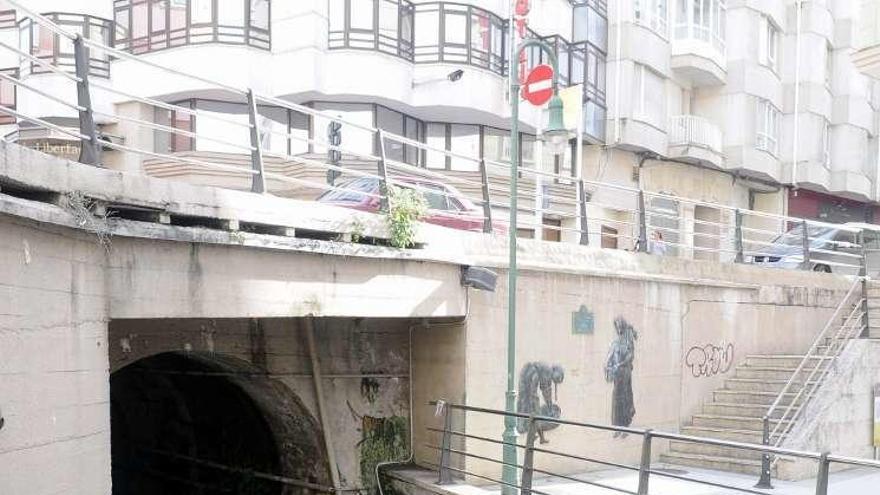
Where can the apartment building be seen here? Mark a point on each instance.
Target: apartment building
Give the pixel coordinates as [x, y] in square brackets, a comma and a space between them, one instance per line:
[750, 104]
[744, 103]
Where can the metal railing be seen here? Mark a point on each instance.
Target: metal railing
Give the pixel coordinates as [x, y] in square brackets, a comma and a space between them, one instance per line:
[645, 469]
[562, 204]
[691, 130]
[848, 321]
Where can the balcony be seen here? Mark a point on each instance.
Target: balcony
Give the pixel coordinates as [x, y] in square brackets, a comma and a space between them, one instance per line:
[696, 140]
[698, 49]
[867, 55]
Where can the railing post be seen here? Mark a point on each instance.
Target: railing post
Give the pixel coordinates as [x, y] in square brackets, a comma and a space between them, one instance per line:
[582, 213]
[487, 205]
[90, 149]
[866, 330]
[822, 478]
[383, 173]
[445, 475]
[643, 224]
[645, 465]
[764, 482]
[806, 244]
[258, 178]
[738, 236]
[529, 459]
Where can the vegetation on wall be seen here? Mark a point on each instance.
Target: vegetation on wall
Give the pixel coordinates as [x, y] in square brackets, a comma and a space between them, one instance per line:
[405, 208]
[384, 440]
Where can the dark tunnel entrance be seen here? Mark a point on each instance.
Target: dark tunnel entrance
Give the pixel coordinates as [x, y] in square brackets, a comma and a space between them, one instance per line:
[197, 424]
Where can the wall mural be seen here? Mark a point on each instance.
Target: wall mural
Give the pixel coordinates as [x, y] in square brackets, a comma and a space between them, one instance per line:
[709, 360]
[538, 395]
[618, 370]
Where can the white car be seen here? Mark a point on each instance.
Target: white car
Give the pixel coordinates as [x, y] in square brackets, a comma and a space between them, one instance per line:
[832, 249]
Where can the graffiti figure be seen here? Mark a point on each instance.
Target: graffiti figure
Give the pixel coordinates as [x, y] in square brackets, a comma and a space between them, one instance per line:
[535, 378]
[618, 370]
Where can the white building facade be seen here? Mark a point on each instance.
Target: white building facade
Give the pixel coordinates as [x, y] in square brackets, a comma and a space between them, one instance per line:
[744, 103]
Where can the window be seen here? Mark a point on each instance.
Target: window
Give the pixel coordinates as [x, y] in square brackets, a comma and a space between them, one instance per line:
[767, 138]
[8, 96]
[663, 218]
[144, 26]
[457, 33]
[771, 55]
[381, 25]
[167, 142]
[651, 14]
[7, 19]
[826, 143]
[465, 141]
[45, 44]
[702, 20]
[649, 97]
[590, 23]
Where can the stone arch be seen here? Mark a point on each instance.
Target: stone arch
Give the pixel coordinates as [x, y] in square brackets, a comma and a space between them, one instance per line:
[175, 416]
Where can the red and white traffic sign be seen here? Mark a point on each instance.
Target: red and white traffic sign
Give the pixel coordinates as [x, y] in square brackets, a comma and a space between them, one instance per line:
[538, 86]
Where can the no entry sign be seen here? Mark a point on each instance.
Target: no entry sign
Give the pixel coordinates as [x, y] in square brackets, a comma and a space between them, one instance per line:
[538, 86]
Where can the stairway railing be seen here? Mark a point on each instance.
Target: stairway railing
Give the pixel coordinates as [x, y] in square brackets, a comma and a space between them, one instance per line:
[805, 380]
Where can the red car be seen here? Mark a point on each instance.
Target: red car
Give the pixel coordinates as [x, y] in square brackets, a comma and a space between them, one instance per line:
[447, 207]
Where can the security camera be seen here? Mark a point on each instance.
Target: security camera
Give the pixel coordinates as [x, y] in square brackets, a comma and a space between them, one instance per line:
[455, 75]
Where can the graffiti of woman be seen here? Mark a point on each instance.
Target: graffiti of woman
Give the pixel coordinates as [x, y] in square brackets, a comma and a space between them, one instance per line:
[618, 370]
[535, 377]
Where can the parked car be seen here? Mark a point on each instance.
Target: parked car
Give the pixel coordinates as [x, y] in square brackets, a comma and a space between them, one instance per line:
[833, 249]
[446, 207]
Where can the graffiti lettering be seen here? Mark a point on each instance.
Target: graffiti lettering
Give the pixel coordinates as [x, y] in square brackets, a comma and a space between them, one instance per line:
[709, 360]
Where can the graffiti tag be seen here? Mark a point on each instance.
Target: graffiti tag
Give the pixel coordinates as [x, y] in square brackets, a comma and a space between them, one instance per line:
[709, 360]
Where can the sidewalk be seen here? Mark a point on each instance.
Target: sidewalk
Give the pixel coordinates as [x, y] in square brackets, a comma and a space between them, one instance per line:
[851, 482]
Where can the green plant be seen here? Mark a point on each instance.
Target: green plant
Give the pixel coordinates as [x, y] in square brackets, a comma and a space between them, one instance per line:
[405, 208]
[357, 230]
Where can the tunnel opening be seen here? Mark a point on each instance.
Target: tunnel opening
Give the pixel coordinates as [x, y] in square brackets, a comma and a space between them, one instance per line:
[185, 423]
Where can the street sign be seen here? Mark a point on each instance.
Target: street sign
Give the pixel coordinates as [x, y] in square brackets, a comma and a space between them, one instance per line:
[538, 86]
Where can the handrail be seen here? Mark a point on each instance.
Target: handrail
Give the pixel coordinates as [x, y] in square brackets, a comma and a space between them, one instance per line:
[785, 423]
[646, 217]
[528, 463]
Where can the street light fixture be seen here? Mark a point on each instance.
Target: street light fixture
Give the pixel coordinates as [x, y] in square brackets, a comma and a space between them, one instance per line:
[556, 138]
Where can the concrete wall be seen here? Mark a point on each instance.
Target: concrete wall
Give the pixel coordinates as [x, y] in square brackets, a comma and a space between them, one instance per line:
[675, 306]
[840, 418]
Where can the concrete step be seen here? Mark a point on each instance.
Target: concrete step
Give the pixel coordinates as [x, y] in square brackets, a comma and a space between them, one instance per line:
[676, 447]
[758, 385]
[765, 372]
[732, 422]
[780, 360]
[748, 397]
[728, 464]
[735, 409]
[746, 436]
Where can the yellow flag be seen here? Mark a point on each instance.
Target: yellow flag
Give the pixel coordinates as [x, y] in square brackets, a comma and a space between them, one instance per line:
[572, 104]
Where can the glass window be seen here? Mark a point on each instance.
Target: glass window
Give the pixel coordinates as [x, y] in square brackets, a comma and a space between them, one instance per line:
[273, 124]
[772, 45]
[465, 140]
[456, 28]
[260, 14]
[391, 121]
[496, 144]
[45, 44]
[362, 14]
[649, 98]
[651, 14]
[414, 130]
[231, 12]
[7, 96]
[149, 25]
[299, 133]
[355, 141]
[436, 138]
[767, 138]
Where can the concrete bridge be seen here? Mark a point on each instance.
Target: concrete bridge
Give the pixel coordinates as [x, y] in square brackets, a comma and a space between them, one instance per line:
[165, 337]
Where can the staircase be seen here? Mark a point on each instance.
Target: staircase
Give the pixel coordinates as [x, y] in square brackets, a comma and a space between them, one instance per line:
[777, 386]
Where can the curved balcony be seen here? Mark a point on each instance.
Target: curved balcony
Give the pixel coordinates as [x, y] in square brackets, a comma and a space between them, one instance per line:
[695, 139]
[698, 50]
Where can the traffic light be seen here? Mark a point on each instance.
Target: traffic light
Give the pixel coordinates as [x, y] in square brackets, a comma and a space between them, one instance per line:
[334, 156]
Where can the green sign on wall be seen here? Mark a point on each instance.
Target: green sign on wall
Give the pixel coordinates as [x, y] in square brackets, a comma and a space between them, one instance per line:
[582, 321]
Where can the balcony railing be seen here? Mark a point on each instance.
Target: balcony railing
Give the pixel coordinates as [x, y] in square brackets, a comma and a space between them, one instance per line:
[690, 130]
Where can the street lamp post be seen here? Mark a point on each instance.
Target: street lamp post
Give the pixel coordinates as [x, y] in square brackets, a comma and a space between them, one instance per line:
[555, 136]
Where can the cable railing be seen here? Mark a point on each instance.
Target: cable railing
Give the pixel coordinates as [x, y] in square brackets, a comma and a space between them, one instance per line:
[847, 322]
[588, 212]
[476, 457]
